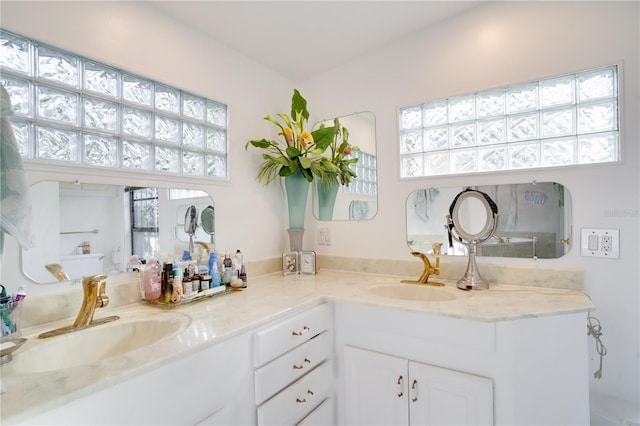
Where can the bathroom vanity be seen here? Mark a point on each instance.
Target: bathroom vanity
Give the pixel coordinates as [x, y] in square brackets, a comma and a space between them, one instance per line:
[294, 349]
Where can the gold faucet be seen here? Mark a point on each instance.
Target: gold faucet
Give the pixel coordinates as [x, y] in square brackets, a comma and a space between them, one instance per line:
[428, 268]
[94, 288]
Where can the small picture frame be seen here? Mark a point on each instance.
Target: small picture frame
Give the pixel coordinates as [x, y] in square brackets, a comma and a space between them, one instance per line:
[290, 263]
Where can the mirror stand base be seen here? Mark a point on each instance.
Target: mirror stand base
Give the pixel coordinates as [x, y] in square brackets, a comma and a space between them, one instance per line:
[472, 279]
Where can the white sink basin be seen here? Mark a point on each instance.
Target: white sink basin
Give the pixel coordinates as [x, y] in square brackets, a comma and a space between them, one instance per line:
[414, 292]
[92, 344]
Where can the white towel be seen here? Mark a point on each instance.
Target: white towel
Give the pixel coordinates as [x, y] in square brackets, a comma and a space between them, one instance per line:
[15, 202]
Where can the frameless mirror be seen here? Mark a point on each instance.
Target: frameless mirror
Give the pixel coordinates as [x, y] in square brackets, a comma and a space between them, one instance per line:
[94, 228]
[358, 200]
[534, 220]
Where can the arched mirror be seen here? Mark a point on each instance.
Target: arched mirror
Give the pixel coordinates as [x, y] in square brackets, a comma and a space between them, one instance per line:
[534, 221]
[359, 199]
[94, 227]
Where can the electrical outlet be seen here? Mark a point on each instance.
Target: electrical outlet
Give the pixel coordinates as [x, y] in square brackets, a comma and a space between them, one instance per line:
[324, 237]
[600, 243]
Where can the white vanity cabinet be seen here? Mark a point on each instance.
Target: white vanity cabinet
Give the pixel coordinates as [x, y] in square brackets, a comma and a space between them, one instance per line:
[210, 387]
[294, 373]
[387, 390]
[526, 371]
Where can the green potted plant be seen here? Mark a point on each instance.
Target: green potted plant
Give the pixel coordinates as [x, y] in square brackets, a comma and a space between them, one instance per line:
[334, 170]
[294, 156]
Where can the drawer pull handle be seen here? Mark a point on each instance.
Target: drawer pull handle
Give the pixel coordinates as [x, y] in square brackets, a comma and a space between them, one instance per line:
[299, 333]
[300, 366]
[414, 387]
[400, 383]
[309, 392]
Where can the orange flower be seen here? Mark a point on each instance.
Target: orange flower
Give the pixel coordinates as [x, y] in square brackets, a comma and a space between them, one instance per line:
[347, 151]
[305, 139]
[288, 134]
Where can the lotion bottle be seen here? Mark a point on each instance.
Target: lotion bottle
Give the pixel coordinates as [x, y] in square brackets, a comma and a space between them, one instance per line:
[152, 280]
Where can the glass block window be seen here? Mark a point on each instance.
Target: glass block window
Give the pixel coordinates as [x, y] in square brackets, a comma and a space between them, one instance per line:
[365, 183]
[561, 121]
[71, 109]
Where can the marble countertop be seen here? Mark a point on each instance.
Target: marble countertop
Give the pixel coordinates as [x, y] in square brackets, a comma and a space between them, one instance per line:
[267, 298]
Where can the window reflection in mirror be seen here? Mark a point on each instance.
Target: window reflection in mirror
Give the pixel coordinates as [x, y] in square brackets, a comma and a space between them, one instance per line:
[534, 220]
[94, 228]
[359, 200]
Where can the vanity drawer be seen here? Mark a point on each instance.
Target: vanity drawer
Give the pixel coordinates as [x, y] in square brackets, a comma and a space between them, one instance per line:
[298, 400]
[289, 333]
[276, 375]
[322, 415]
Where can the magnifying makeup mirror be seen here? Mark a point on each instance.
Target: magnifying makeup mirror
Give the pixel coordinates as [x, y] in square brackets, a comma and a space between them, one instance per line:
[208, 221]
[472, 220]
[190, 224]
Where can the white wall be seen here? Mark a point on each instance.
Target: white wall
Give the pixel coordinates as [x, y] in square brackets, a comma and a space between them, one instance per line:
[136, 37]
[493, 45]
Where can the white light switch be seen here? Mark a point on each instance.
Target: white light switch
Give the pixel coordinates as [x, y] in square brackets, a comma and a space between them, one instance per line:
[593, 242]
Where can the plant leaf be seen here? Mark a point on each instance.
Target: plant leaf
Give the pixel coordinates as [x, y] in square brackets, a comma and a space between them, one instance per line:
[298, 103]
[304, 162]
[293, 152]
[323, 137]
[262, 143]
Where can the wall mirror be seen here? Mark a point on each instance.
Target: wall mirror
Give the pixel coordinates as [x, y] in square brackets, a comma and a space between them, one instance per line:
[359, 200]
[534, 220]
[91, 228]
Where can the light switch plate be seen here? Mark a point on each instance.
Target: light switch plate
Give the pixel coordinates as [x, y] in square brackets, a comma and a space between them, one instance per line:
[600, 243]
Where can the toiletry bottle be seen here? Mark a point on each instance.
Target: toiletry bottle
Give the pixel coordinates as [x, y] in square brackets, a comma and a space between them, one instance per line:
[213, 260]
[228, 268]
[243, 276]
[239, 259]
[176, 294]
[215, 276]
[186, 255]
[152, 280]
[187, 287]
[167, 283]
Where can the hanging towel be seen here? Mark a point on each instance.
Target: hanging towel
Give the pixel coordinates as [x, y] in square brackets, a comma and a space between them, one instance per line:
[15, 202]
[422, 202]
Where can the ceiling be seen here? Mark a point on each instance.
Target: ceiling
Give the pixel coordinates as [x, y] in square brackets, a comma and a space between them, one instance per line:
[301, 39]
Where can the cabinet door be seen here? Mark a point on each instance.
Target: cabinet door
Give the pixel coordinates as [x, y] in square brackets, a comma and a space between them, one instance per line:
[438, 396]
[375, 388]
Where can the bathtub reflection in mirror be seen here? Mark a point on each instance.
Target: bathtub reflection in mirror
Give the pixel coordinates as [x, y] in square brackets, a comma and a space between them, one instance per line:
[94, 228]
[534, 221]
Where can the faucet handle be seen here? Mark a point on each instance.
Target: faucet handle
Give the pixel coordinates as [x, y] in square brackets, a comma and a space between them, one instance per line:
[102, 300]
